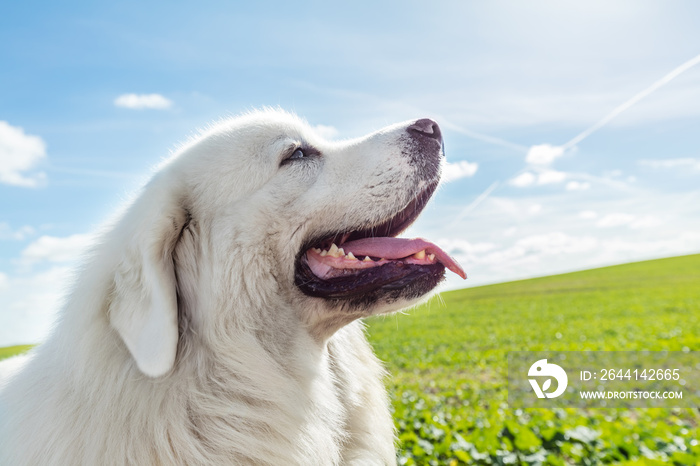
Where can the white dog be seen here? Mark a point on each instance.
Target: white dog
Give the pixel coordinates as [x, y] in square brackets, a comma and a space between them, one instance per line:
[216, 320]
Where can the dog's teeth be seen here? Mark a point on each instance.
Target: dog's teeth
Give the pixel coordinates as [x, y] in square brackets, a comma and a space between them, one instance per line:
[431, 257]
[367, 259]
[324, 253]
[318, 250]
[341, 251]
[420, 254]
[333, 251]
[351, 256]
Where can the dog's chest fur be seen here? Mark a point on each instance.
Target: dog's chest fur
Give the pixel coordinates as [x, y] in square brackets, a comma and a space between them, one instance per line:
[249, 408]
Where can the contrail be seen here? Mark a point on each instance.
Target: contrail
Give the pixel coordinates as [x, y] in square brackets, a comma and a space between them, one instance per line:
[670, 76]
[475, 203]
[482, 137]
[605, 120]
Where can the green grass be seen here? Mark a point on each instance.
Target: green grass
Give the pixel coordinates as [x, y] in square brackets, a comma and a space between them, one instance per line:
[448, 367]
[13, 350]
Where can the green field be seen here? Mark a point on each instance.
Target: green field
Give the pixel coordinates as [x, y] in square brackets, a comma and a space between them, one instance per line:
[448, 366]
[12, 350]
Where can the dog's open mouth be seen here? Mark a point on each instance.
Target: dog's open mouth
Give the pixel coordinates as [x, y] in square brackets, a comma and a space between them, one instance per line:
[350, 264]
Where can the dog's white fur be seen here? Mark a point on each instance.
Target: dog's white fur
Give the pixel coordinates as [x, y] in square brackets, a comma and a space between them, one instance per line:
[185, 341]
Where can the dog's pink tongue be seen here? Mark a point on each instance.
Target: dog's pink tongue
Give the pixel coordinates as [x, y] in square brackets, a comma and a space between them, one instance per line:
[398, 248]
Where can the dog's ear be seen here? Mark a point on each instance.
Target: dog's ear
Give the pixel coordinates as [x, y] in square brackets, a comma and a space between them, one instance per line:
[144, 307]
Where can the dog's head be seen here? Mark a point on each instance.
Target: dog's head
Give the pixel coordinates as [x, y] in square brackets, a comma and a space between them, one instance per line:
[259, 218]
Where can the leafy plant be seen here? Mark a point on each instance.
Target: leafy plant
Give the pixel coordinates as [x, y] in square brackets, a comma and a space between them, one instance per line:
[448, 365]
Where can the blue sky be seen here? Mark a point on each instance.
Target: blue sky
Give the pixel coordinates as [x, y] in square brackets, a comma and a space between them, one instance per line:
[510, 83]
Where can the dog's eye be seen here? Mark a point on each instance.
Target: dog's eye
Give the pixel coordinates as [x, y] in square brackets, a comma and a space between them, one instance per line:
[298, 154]
[302, 152]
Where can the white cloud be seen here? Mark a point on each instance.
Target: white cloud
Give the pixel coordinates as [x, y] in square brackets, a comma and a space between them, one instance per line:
[53, 249]
[457, 170]
[31, 303]
[647, 221]
[516, 209]
[6, 232]
[535, 208]
[20, 153]
[632, 221]
[550, 177]
[528, 250]
[635, 224]
[543, 154]
[139, 101]
[693, 164]
[542, 178]
[577, 186]
[524, 180]
[326, 131]
[624, 249]
[463, 247]
[558, 252]
[556, 243]
[588, 214]
[615, 220]
[612, 173]
[504, 205]
[33, 298]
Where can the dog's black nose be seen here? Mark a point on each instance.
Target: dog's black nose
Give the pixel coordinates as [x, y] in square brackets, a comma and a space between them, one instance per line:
[426, 127]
